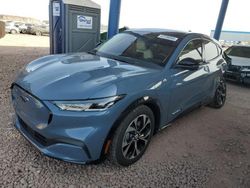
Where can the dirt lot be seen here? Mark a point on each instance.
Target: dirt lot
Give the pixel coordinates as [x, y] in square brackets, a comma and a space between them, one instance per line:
[21, 40]
[206, 148]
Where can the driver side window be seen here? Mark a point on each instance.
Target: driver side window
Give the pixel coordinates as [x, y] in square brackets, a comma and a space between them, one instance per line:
[193, 50]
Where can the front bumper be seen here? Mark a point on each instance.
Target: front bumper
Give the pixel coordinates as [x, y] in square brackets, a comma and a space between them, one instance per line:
[76, 137]
[241, 76]
[62, 151]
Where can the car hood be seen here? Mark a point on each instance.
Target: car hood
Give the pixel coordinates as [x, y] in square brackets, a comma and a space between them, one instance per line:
[240, 61]
[83, 76]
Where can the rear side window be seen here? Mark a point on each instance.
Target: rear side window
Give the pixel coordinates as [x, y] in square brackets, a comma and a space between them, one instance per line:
[210, 50]
[192, 50]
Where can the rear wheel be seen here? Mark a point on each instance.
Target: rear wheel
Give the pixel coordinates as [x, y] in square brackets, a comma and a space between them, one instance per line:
[132, 137]
[220, 94]
[24, 31]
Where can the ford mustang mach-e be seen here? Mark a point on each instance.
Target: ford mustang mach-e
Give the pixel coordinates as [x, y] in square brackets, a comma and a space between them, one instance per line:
[80, 107]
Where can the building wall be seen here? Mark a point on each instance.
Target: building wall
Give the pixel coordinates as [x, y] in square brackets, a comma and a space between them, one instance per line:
[234, 36]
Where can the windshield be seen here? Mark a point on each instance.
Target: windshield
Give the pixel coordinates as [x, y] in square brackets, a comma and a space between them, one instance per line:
[239, 51]
[134, 47]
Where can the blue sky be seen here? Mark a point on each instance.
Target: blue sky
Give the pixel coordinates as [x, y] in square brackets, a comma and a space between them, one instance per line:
[194, 15]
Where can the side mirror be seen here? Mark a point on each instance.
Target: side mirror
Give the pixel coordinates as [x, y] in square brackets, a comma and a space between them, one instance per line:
[189, 63]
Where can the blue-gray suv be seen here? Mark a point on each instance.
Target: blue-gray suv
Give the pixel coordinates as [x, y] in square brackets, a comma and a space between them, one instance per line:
[109, 102]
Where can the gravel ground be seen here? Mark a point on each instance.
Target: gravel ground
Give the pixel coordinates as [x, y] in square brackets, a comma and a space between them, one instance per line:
[22, 40]
[206, 148]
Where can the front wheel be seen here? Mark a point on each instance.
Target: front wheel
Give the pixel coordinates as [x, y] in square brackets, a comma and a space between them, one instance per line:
[13, 31]
[220, 94]
[132, 137]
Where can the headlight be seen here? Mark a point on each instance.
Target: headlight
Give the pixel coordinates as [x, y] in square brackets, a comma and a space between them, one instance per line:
[88, 105]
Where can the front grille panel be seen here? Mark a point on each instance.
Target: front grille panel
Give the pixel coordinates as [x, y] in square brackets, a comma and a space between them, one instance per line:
[35, 135]
[29, 108]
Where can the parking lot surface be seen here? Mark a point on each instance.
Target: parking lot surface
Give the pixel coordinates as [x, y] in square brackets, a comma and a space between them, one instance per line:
[205, 148]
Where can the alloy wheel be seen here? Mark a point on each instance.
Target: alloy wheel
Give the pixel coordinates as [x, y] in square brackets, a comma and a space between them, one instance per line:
[136, 136]
[221, 93]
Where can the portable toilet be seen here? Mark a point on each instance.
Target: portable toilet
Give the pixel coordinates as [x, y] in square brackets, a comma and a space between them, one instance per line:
[74, 25]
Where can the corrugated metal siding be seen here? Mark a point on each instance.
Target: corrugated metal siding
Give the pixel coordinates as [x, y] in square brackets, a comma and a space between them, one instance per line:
[233, 36]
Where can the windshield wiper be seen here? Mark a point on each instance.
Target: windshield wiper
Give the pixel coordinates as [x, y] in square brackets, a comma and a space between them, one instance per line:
[93, 52]
[119, 59]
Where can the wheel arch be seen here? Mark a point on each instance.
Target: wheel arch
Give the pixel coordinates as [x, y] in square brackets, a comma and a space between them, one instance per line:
[147, 101]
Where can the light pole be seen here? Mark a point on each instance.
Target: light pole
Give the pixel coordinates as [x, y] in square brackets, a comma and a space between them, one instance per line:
[220, 21]
[114, 17]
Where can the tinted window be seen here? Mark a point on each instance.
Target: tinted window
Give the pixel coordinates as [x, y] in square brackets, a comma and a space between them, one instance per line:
[240, 51]
[131, 47]
[211, 50]
[192, 50]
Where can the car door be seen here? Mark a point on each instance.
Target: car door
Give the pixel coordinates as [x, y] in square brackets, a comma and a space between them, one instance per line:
[187, 83]
[213, 61]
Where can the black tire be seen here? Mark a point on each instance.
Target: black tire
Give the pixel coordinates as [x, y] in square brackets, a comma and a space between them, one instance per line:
[13, 31]
[220, 94]
[133, 138]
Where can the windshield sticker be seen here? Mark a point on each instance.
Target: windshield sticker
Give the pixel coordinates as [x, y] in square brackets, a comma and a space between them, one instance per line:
[167, 37]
